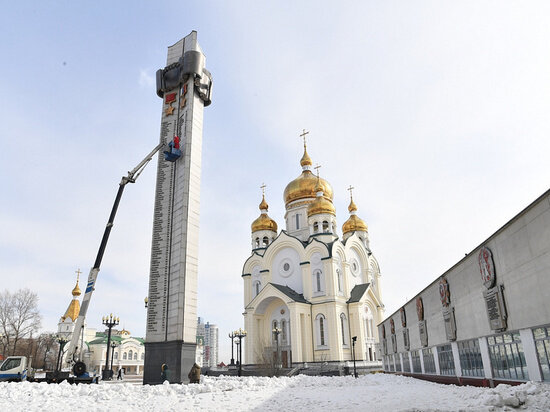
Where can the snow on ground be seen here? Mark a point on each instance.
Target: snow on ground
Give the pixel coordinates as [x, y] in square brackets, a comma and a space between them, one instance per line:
[301, 393]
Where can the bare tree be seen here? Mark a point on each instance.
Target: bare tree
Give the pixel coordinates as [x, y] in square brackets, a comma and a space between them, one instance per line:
[19, 318]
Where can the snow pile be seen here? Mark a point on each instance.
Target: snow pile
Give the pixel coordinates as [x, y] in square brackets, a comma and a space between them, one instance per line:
[371, 392]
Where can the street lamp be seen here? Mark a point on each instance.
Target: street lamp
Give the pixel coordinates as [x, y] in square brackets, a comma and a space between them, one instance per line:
[240, 334]
[109, 321]
[276, 331]
[113, 346]
[62, 341]
[232, 336]
[353, 340]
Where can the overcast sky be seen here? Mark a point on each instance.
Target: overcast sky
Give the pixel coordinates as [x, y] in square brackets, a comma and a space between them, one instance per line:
[437, 112]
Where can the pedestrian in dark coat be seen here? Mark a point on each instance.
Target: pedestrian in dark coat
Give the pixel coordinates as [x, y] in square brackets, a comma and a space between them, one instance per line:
[195, 374]
[165, 373]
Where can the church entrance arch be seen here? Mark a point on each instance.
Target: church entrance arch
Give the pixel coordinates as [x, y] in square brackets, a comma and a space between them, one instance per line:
[273, 346]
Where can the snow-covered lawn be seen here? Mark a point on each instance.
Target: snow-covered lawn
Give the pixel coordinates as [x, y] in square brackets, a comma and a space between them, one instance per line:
[301, 393]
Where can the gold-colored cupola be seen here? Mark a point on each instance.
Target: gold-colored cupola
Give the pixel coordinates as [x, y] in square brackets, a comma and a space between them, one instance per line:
[74, 307]
[264, 222]
[354, 223]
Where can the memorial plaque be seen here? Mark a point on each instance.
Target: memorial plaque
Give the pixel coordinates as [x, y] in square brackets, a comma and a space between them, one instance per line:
[423, 331]
[450, 324]
[496, 310]
[406, 342]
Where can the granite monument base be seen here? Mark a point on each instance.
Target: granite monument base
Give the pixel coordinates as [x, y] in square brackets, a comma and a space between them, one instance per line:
[177, 355]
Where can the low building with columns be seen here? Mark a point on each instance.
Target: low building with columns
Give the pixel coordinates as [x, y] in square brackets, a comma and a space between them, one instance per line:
[309, 294]
[487, 319]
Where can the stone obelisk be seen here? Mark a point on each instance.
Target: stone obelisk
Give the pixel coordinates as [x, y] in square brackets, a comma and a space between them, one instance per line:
[185, 87]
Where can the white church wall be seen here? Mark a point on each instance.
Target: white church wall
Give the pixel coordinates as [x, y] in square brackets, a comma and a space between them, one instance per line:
[286, 269]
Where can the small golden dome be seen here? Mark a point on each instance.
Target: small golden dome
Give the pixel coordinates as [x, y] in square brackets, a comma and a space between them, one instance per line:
[72, 311]
[76, 290]
[354, 223]
[264, 222]
[320, 204]
[306, 160]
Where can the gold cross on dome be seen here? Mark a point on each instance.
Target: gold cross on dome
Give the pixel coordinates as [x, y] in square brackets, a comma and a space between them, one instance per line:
[78, 272]
[303, 135]
[350, 188]
[317, 168]
[263, 186]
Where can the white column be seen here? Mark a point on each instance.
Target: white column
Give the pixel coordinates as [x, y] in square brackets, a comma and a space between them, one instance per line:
[422, 361]
[531, 357]
[485, 358]
[456, 358]
[410, 361]
[436, 360]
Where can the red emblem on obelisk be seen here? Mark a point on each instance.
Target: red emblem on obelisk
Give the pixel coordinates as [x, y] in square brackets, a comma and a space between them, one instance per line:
[486, 267]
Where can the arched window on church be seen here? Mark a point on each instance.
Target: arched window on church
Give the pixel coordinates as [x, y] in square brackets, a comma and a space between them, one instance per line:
[333, 227]
[142, 355]
[321, 328]
[325, 226]
[257, 287]
[265, 241]
[116, 355]
[317, 281]
[257, 242]
[297, 221]
[124, 355]
[315, 227]
[135, 356]
[283, 329]
[130, 354]
[343, 325]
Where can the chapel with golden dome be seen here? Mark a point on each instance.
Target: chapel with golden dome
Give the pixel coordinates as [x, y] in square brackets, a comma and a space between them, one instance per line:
[310, 292]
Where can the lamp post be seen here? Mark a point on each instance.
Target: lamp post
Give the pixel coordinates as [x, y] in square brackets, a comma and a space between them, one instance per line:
[276, 332]
[62, 341]
[113, 346]
[232, 336]
[237, 345]
[109, 321]
[240, 334]
[353, 340]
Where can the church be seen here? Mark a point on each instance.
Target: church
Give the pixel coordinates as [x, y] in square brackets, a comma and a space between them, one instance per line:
[309, 294]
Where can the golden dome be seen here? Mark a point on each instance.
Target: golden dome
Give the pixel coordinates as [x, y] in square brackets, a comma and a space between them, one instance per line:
[264, 222]
[303, 187]
[76, 290]
[306, 160]
[321, 205]
[354, 223]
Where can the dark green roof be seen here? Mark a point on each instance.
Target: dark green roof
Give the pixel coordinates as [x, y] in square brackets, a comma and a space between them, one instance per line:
[291, 293]
[357, 292]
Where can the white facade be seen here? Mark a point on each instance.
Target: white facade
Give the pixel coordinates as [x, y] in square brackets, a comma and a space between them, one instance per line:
[315, 289]
[485, 319]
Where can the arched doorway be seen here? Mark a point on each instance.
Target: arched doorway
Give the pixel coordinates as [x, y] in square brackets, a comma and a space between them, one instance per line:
[273, 344]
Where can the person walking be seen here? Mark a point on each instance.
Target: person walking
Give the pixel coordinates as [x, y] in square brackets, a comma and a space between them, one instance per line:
[195, 374]
[164, 373]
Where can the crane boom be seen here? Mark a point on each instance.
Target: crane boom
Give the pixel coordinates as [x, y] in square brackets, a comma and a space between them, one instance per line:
[90, 285]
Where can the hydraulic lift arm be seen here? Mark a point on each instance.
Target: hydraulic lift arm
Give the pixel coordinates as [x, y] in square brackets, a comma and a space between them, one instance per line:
[130, 178]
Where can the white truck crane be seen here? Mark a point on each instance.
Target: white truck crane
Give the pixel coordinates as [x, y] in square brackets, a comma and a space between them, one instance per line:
[79, 367]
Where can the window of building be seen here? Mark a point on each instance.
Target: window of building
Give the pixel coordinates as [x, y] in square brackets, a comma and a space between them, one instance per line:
[283, 329]
[343, 323]
[429, 361]
[257, 242]
[321, 328]
[446, 360]
[315, 227]
[130, 354]
[398, 363]
[542, 342]
[297, 222]
[406, 363]
[317, 281]
[416, 365]
[265, 241]
[135, 355]
[507, 357]
[325, 226]
[470, 358]
[142, 355]
[124, 355]
[116, 355]
[257, 287]
[391, 363]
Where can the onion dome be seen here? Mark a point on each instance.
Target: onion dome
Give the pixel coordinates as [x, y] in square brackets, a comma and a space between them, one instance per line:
[264, 222]
[303, 187]
[354, 223]
[74, 307]
[321, 205]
